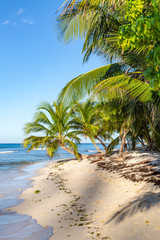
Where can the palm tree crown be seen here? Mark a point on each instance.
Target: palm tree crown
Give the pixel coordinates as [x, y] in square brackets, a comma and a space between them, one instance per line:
[53, 122]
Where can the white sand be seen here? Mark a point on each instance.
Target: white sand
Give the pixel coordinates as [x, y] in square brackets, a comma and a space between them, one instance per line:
[79, 202]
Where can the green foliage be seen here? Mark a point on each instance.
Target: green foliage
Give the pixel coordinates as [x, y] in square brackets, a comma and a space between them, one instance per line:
[142, 33]
[52, 122]
[37, 191]
[90, 122]
[127, 31]
[123, 30]
[81, 87]
[112, 145]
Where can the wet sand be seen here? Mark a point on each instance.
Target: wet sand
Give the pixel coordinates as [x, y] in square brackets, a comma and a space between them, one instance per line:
[14, 226]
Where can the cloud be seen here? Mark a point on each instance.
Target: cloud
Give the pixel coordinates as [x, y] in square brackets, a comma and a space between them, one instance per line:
[27, 20]
[20, 11]
[6, 22]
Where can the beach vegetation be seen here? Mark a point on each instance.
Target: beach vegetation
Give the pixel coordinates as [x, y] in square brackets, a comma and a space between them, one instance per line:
[89, 120]
[37, 191]
[116, 29]
[53, 124]
[121, 98]
[126, 33]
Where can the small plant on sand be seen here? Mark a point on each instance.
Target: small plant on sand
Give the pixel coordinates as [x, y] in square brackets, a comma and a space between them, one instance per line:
[37, 191]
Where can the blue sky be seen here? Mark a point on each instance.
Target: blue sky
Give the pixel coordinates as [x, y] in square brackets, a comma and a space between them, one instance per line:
[34, 65]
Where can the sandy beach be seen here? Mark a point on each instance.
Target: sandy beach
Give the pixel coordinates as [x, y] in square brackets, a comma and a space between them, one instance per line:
[84, 200]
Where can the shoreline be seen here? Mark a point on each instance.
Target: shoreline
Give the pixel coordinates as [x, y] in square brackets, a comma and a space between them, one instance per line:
[12, 224]
[82, 201]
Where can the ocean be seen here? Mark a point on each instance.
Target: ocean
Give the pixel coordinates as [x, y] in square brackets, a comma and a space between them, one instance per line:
[16, 168]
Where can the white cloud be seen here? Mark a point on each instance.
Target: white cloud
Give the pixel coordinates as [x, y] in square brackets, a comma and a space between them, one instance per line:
[20, 11]
[27, 20]
[6, 22]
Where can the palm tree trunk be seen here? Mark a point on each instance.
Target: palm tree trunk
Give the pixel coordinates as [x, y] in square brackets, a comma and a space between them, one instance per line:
[103, 144]
[148, 139]
[122, 143]
[95, 145]
[81, 156]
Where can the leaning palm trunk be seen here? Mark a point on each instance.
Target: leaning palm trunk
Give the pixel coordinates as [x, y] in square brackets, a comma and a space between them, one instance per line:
[98, 149]
[81, 156]
[102, 143]
[122, 144]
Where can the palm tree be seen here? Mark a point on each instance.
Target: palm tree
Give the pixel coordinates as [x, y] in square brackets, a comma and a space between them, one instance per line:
[103, 122]
[90, 120]
[135, 120]
[53, 123]
[96, 26]
[83, 121]
[98, 23]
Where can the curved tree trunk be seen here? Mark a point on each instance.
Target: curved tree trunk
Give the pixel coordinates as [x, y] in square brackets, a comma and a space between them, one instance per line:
[98, 149]
[142, 143]
[103, 144]
[122, 144]
[81, 156]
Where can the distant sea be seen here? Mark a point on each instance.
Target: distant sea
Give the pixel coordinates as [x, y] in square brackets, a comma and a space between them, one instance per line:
[16, 168]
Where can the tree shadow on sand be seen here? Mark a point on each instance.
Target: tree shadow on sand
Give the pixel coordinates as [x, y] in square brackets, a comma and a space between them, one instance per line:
[140, 204]
[142, 167]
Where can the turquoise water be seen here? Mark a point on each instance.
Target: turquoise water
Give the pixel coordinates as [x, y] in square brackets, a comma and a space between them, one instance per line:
[14, 155]
[16, 167]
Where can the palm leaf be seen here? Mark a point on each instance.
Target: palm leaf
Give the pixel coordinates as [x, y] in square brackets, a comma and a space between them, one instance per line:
[113, 144]
[81, 86]
[48, 108]
[35, 127]
[135, 87]
[40, 117]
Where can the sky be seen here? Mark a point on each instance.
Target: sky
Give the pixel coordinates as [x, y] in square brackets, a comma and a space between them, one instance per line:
[34, 65]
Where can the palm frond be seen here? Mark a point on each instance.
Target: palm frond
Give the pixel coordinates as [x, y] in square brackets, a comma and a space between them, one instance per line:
[40, 117]
[135, 87]
[49, 109]
[34, 128]
[84, 4]
[81, 86]
[113, 144]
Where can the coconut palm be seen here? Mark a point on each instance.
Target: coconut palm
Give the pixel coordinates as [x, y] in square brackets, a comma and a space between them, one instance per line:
[136, 121]
[53, 123]
[88, 120]
[84, 119]
[99, 26]
[98, 23]
[96, 26]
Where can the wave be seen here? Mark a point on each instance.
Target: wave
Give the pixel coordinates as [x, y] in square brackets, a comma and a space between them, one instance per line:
[15, 163]
[7, 152]
[38, 149]
[91, 150]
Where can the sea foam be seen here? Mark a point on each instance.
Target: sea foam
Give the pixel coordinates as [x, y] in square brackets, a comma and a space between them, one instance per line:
[7, 152]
